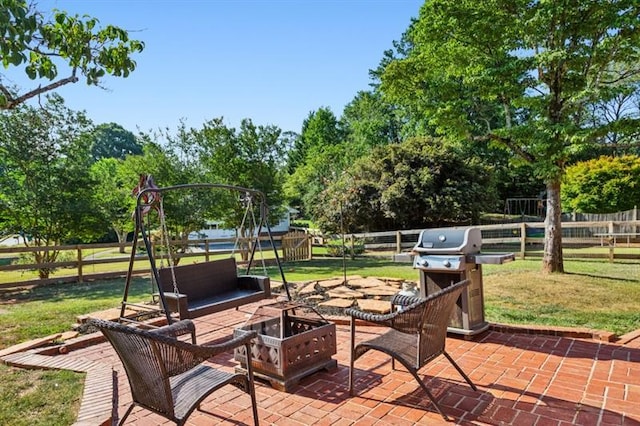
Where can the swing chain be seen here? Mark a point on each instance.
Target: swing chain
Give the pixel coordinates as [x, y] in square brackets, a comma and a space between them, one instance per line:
[165, 236]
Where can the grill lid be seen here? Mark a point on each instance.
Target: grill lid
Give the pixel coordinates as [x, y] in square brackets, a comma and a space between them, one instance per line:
[449, 240]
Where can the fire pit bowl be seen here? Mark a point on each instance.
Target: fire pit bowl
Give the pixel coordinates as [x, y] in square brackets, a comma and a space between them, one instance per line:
[293, 341]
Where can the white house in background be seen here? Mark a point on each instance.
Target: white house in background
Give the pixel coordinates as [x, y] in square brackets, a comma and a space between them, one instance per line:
[11, 240]
[214, 229]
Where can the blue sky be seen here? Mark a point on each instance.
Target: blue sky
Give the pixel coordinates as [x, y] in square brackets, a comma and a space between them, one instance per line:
[273, 61]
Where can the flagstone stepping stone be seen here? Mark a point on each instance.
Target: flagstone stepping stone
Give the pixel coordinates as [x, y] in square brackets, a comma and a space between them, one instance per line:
[337, 303]
[366, 283]
[345, 293]
[326, 284]
[376, 306]
[308, 289]
[380, 291]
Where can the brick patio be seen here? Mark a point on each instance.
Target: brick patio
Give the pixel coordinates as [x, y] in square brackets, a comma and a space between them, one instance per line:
[522, 379]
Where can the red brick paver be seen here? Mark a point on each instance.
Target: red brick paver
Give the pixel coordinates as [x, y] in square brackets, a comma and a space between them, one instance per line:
[522, 379]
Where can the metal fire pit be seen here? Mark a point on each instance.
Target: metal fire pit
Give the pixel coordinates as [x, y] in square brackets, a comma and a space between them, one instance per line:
[445, 256]
[293, 341]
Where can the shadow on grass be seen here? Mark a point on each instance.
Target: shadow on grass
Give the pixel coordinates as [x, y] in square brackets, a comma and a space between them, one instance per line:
[94, 290]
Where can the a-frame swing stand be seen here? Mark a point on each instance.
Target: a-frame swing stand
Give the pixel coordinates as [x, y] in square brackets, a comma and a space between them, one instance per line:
[171, 298]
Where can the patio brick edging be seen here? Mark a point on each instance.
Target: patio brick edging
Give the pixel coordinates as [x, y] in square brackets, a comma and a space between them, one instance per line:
[97, 406]
[577, 333]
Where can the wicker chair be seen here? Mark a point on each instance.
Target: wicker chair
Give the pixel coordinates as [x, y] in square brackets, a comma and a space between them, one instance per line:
[417, 335]
[166, 375]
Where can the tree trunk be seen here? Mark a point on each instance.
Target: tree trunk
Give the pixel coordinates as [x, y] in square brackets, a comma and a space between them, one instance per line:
[552, 260]
[122, 239]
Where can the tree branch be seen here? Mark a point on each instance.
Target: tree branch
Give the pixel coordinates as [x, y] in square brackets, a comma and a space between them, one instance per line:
[509, 144]
[14, 102]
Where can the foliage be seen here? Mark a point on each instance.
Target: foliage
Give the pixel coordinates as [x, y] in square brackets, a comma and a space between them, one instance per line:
[317, 157]
[524, 75]
[602, 185]
[419, 183]
[46, 186]
[41, 46]
[251, 157]
[320, 129]
[335, 248]
[113, 197]
[111, 140]
[369, 121]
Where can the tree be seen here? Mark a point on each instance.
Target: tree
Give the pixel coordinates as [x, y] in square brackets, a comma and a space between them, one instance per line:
[111, 140]
[422, 182]
[46, 192]
[316, 158]
[319, 129]
[522, 75]
[252, 157]
[369, 121]
[114, 200]
[603, 185]
[29, 40]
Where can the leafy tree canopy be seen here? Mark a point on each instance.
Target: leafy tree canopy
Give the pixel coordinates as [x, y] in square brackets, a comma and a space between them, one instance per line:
[42, 45]
[319, 130]
[111, 140]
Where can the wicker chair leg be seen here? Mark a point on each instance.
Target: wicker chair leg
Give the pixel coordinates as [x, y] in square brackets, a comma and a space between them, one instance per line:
[126, 414]
[353, 354]
[429, 394]
[251, 385]
[462, 373]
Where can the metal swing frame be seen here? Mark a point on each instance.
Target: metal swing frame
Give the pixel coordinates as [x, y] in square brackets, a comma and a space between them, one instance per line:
[140, 229]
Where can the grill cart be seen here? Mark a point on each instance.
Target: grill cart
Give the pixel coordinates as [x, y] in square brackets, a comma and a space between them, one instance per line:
[445, 256]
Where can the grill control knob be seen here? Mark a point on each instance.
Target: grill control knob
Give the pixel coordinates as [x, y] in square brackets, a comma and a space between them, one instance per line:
[424, 263]
[446, 263]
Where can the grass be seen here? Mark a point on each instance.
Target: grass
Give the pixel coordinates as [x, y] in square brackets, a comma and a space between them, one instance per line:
[591, 294]
[594, 294]
[51, 309]
[39, 397]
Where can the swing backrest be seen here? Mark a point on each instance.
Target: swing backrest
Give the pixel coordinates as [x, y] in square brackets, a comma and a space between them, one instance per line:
[198, 280]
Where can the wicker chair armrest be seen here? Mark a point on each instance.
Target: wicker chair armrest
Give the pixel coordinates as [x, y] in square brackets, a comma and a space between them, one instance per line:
[176, 329]
[385, 319]
[227, 346]
[401, 300]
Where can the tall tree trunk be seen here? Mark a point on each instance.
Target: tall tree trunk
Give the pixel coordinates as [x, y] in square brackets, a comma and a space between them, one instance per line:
[552, 260]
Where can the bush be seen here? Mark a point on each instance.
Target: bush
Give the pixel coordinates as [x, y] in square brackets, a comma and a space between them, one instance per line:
[602, 185]
[336, 249]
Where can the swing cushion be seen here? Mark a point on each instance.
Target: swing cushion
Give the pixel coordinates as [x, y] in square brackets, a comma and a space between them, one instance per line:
[209, 287]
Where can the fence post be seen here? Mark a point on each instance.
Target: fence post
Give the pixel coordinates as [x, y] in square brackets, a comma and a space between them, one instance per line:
[398, 242]
[310, 243]
[79, 250]
[612, 241]
[523, 240]
[206, 249]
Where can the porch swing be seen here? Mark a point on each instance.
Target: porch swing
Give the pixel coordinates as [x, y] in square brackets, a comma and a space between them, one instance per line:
[197, 289]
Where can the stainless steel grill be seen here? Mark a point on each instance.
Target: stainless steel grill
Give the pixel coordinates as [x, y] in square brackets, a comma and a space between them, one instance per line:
[445, 256]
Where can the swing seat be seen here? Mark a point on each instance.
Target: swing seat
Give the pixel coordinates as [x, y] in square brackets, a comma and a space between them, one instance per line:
[209, 287]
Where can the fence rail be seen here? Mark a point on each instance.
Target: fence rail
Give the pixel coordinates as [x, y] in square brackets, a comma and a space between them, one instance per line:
[82, 262]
